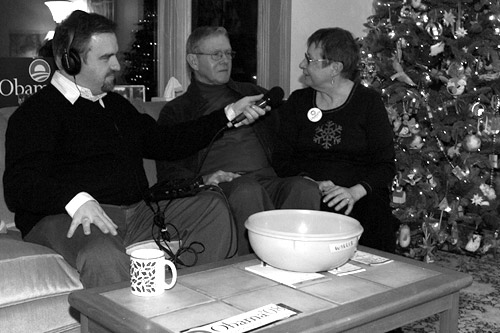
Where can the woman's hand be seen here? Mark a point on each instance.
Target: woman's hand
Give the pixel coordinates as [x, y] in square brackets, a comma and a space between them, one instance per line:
[339, 196]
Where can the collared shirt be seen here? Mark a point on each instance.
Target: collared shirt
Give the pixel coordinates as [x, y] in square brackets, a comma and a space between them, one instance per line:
[71, 91]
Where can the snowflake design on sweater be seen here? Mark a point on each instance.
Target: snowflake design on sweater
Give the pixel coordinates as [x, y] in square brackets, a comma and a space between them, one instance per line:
[328, 134]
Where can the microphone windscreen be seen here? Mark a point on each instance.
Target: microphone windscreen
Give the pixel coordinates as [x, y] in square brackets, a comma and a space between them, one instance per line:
[273, 97]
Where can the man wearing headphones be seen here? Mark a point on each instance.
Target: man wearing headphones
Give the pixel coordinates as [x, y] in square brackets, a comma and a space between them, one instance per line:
[74, 156]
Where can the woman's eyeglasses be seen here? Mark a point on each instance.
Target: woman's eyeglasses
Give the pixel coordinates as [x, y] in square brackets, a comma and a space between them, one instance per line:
[309, 60]
[216, 56]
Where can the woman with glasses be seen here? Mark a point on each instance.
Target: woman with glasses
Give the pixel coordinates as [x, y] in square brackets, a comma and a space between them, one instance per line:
[336, 131]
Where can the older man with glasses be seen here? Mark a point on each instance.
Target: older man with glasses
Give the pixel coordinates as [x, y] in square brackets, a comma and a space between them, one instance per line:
[239, 162]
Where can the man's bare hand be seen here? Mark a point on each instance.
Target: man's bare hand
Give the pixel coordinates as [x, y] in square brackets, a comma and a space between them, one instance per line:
[219, 177]
[91, 213]
[247, 106]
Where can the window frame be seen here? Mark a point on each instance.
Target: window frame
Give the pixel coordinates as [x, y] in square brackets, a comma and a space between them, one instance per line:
[273, 43]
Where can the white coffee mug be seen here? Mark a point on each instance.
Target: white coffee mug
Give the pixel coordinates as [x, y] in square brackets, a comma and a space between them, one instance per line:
[147, 272]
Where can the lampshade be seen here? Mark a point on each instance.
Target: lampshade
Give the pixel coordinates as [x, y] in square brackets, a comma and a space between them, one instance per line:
[60, 9]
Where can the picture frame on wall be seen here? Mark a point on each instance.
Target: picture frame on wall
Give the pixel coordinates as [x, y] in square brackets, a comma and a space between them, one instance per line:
[25, 44]
[131, 92]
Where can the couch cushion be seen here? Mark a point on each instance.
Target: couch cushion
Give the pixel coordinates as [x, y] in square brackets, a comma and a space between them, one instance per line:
[34, 288]
[5, 214]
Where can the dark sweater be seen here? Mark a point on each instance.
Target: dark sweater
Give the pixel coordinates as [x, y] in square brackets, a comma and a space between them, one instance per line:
[55, 150]
[192, 105]
[351, 144]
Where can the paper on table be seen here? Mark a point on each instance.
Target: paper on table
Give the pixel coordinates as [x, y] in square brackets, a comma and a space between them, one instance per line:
[370, 259]
[346, 269]
[291, 279]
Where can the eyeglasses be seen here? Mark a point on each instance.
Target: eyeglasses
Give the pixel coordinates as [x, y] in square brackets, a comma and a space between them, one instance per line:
[216, 56]
[309, 60]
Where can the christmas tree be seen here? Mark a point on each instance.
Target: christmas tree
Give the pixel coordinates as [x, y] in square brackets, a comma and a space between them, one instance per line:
[141, 59]
[437, 65]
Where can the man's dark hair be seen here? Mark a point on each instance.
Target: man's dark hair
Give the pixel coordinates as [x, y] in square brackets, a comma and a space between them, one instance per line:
[77, 29]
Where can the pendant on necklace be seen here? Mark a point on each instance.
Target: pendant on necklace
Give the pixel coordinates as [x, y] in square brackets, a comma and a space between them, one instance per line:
[314, 114]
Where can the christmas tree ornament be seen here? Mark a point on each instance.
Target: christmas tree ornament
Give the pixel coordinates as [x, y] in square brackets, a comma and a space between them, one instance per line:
[493, 159]
[425, 82]
[416, 142]
[429, 258]
[437, 49]
[402, 43]
[459, 173]
[454, 150]
[432, 182]
[472, 143]
[373, 21]
[419, 5]
[399, 195]
[368, 70]
[413, 176]
[456, 86]
[406, 12]
[495, 103]
[477, 109]
[400, 75]
[459, 33]
[434, 29]
[442, 236]
[444, 205]
[449, 18]
[478, 200]
[492, 123]
[474, 243]
[454, 235]
[460, 211]
[456, 69]
[489, 242]
[421, 20]
[404, 237]
[488, 192]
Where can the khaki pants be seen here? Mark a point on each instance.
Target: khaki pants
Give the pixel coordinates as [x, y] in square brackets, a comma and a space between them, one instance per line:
[101, 259]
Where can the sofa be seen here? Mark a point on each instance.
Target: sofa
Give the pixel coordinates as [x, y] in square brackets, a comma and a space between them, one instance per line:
[34, 280]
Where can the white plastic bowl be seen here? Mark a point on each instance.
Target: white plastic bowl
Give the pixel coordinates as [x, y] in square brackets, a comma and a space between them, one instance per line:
[303, 240]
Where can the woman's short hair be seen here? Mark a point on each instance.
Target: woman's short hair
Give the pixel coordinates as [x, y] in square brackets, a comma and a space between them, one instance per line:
[77, 29]
[201, 33]
[338, 45]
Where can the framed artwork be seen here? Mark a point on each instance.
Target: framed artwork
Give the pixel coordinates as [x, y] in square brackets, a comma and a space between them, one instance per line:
[25, 43]
[131, 92]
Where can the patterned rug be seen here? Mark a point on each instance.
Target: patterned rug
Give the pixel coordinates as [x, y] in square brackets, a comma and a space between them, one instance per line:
[479, 303]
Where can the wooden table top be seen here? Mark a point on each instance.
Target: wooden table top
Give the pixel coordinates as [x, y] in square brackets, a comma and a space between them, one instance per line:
[221, 290]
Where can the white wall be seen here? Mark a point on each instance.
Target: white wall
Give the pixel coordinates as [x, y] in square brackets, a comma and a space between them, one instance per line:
[310, 15]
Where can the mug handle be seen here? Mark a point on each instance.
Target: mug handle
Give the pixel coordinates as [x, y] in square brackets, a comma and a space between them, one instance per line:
[173, 269]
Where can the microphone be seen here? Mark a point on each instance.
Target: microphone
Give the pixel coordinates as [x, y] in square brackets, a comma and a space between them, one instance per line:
[272, 98]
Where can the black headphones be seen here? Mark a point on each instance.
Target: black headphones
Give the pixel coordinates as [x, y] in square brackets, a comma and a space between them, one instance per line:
[70, 59]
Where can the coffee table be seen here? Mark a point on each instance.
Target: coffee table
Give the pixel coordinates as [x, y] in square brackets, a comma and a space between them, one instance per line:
[379, 299]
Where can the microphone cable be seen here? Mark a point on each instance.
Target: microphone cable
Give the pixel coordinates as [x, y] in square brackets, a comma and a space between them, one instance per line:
[163, 237]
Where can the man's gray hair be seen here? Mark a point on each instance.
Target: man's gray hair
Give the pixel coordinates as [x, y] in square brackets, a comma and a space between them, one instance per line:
[201, 33]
